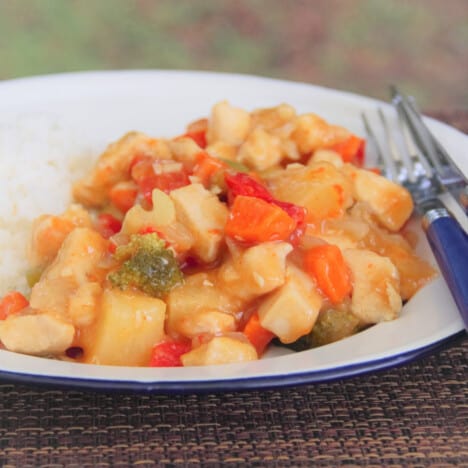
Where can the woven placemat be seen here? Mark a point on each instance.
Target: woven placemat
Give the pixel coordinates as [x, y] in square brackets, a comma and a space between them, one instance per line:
[415, 415]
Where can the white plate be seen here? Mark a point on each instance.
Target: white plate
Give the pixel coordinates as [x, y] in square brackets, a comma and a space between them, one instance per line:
[100, 106]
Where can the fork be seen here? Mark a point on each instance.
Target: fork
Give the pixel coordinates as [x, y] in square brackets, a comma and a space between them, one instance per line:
[427, 173]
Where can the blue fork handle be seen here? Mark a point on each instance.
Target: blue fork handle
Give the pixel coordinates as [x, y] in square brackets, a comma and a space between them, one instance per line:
[449, 242]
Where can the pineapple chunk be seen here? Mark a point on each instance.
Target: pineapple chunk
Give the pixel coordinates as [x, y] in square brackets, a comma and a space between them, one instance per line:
[204, 216]
[291, 311]
[320, 187]
[220, 350]
[376, 286]
[38, 334]
[161, 214]
[229, 124]
[255, 271]
[127, 327]
[190, 305]
[391, 203]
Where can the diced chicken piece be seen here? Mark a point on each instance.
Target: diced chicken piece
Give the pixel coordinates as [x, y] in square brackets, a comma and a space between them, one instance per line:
[212, 322]
[255, 271]
[345, 232]
[114, 166]
[184, 149]
[229, 124]
[222, 150]
[38, 334]
[326, 155]
[414, 271]
[48, 233]
[83, 304]
[312, 132]
[220, 350]
[320, 187]
[391, 203]
[192, 303]
[79, 256]
[260, 150]
[128, 325]
[291, 311]
[272, 118]
[376, 284]
[76, 264]
[199, 125]
[204, 216]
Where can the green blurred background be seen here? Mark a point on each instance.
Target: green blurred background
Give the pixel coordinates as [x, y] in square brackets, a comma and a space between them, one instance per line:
[356, 45]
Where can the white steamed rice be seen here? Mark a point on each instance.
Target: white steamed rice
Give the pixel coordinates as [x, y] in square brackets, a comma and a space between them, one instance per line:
[39, 160]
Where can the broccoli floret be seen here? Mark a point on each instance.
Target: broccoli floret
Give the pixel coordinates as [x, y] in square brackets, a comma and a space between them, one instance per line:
[147, 265]
[332, 325]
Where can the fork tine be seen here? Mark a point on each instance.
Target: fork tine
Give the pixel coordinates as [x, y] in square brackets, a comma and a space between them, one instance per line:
[418, 164]
[401, 164]
[421, 134]
[381, 165]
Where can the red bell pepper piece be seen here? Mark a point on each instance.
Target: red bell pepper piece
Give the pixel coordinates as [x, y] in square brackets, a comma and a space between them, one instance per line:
[243, 184]
[147, 179]
[108, 225]
[168, 353]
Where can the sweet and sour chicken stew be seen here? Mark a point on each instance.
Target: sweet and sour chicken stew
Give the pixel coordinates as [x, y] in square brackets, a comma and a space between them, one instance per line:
[203, 249]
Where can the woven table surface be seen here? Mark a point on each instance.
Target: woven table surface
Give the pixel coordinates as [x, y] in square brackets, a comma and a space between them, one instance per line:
[414, 415]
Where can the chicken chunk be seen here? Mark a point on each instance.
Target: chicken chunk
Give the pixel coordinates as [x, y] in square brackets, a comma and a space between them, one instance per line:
[220, 350]
[273, 118]
[229, 124]
[49, 232]
[260, 150]
[312, 132]
[326, 155]
[255, 271]
[76, 264]
[291, 311]
[376, 286]
[389, 202]
[114, 166]
[37, 334]
[204, 216]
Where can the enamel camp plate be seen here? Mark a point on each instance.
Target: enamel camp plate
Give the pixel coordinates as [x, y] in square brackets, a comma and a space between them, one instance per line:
[83, 112]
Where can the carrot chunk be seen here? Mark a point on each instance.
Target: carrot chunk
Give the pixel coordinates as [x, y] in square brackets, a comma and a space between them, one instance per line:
[326, 265]
[254, 220]
[206, 167]
[351, 150]
[258, 336]
[12, 303]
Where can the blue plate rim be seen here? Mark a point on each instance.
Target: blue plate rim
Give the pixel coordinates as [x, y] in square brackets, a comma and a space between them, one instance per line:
[230, 385]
